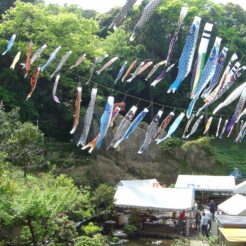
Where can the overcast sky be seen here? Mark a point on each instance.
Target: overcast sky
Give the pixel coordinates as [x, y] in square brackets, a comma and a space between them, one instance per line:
[105, 5]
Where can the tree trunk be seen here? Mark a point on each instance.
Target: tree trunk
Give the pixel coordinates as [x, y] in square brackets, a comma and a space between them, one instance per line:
[34, 240]
[25, 170]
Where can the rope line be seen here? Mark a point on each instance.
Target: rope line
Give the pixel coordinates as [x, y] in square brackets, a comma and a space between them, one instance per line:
[138, 98]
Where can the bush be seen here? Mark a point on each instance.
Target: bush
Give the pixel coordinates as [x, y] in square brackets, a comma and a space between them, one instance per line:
[103, 197]
[96, 240]
[203, 143]
[130, 229]
[134, 218]
[213, 241]
[64, 230]
[91, 229]
[171, 144]
[115, 239]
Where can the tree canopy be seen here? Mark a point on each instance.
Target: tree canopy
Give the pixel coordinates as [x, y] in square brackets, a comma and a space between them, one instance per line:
[85, 32]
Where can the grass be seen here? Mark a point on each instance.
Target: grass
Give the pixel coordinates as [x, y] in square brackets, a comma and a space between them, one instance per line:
[231, 154]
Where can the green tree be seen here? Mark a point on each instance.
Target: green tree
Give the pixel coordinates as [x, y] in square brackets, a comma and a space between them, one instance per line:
[53, 25]
[25, 147]
[229, 24]
[103, 197]
[21, 144]
[4, 5]
[37, 205]
[8, 189]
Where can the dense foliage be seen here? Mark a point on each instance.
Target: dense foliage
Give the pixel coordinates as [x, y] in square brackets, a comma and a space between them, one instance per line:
[71, 28]
[44, 207]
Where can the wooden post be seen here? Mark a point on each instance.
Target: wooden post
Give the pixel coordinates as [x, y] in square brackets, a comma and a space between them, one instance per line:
[187, 226]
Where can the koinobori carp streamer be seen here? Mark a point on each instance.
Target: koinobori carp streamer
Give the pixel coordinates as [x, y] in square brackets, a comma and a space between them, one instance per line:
[122, 14]
[146, 15]
[88, 118]
[121, 71]
[151, 132]
[183, 13]
[218, 71]
[124, 125]
[34, 80]
[195, 126]
[132, 127]
[28, 59]
[172, 128]
[104, 125]
[108, 64]
[231, 98]
[186, 58]
[51, 59]
[56, 99]
[79, 61]
[206, 75]
[201, 57]
[61, 63]
[77, 109]
[10, 44]
[16, 59]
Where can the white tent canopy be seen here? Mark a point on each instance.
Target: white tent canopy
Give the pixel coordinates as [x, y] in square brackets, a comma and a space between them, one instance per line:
[235, 205]
[206, 183]
[241, 188]
[140, 194]
[143, 183]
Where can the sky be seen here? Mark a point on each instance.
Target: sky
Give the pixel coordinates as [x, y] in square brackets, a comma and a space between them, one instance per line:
[105, 5]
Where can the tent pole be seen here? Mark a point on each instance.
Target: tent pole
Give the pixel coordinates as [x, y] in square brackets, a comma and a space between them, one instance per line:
[202, 197]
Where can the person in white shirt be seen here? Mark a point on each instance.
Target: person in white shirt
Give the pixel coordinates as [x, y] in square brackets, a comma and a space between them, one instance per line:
[204, 225]
[208, 214]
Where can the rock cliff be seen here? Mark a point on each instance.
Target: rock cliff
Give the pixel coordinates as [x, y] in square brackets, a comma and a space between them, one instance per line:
[110, 166]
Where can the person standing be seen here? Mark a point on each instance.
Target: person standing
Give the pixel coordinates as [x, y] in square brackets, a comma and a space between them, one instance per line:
[212, 207]
[208, 214]
[181, 222]
[198, 218]
[204, 225]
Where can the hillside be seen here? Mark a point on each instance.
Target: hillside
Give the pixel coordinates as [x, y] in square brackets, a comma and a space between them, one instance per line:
[165, 162]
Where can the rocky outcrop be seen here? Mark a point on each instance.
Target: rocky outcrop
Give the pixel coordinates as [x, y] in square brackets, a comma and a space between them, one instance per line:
[110, 166]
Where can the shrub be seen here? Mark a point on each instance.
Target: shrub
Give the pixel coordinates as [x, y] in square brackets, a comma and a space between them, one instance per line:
[96, 240]
[203, 143]
[91, 229]
[129, 229]
[115, 240]
[171, 144]
[103, 197]
[134, 218]
[213, 241]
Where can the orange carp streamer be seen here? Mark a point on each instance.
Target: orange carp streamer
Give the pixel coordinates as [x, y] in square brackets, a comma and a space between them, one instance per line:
[77, 109]
[28, 59]
[34, 80]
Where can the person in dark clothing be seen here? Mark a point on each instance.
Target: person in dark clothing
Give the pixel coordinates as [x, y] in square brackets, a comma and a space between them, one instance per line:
[212, 207]
[198, 218]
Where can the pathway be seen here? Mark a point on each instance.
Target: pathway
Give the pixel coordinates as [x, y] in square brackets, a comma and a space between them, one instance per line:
[196, 241]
